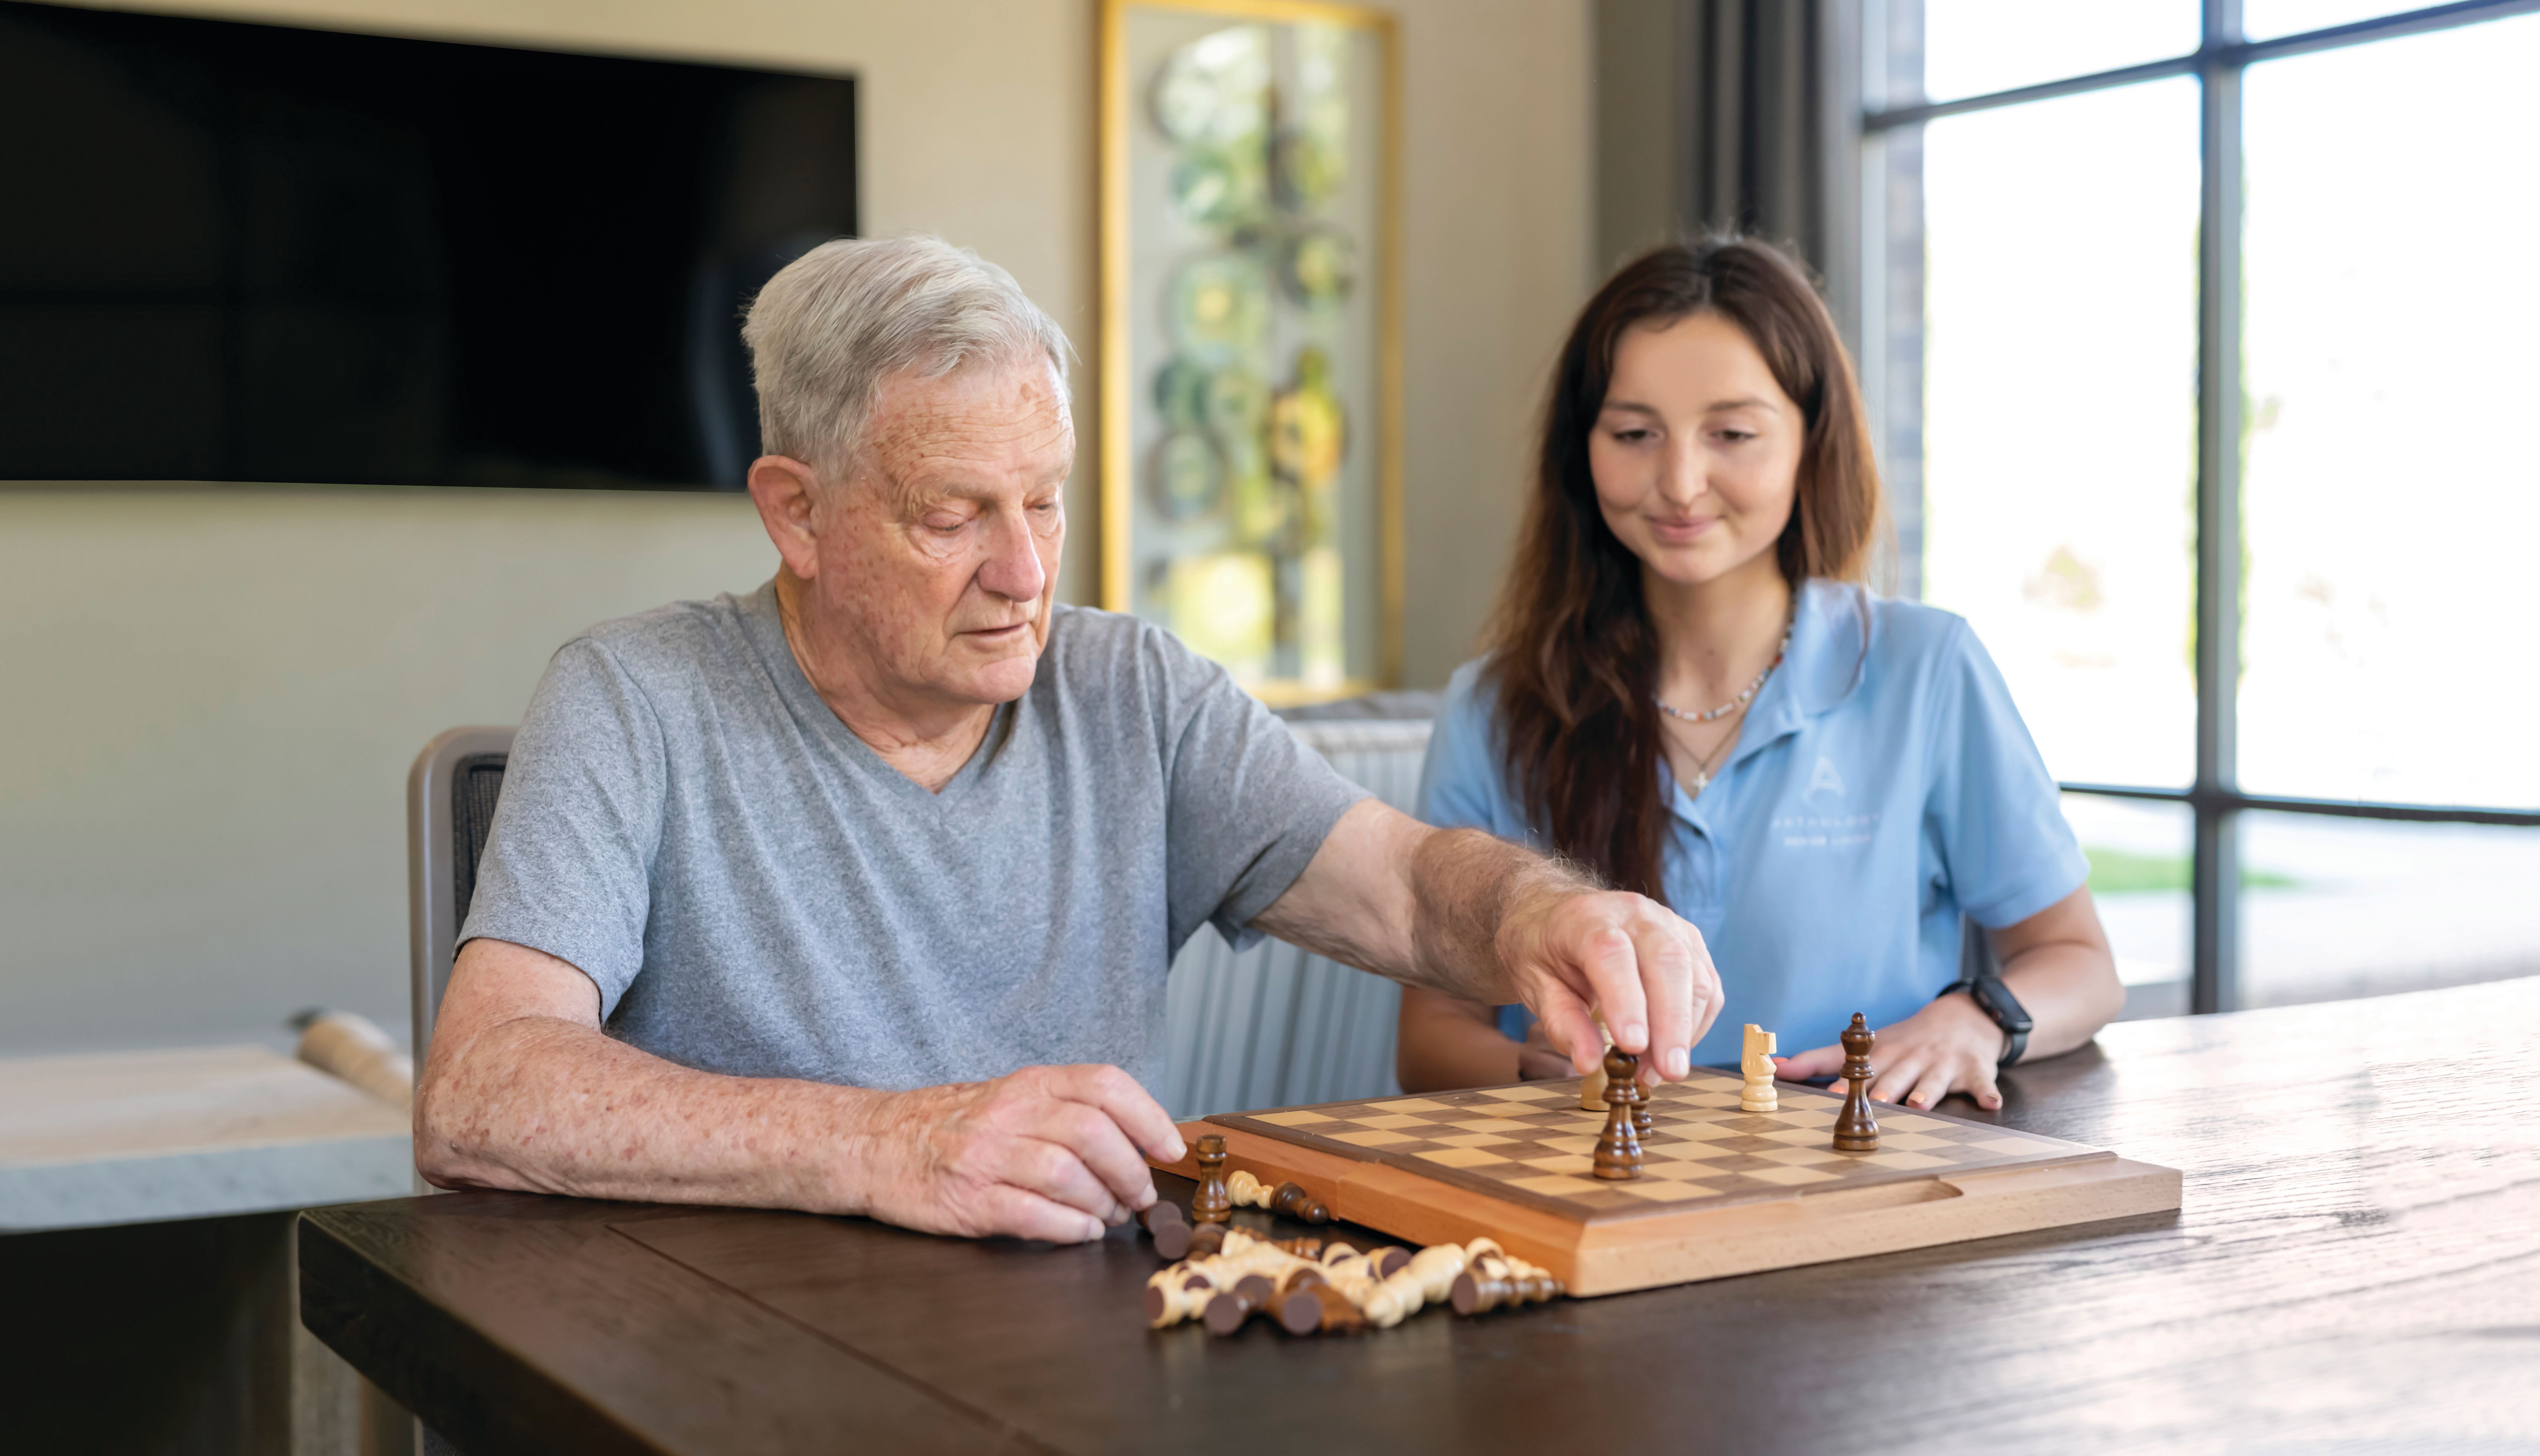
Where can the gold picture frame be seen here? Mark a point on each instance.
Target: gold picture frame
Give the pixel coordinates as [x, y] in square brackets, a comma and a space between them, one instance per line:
[1251, 335]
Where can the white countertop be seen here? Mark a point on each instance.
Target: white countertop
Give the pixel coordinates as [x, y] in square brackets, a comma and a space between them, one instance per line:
[139, 1136]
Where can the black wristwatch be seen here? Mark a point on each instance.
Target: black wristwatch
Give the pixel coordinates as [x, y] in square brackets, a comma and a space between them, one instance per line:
[1995, 1000]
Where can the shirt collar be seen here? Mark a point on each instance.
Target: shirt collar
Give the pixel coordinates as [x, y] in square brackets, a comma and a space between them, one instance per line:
[1828, 653]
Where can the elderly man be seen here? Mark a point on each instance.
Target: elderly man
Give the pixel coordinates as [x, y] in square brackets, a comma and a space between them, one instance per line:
[856, 895]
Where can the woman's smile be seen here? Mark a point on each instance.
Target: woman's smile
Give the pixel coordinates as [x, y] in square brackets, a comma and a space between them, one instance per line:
[1680, 532]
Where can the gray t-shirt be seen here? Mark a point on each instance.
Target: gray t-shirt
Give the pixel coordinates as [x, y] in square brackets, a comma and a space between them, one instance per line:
[756, 892]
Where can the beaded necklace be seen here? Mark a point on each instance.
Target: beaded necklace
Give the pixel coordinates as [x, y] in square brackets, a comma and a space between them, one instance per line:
[1702, 762]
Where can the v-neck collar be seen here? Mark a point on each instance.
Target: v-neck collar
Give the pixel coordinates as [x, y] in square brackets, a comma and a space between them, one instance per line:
[764, 621]
[1829, 653]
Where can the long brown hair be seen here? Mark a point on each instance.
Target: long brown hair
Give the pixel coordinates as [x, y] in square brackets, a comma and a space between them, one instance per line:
[1574, 658]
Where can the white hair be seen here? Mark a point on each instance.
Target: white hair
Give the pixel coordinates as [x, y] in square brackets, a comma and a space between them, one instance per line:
[829, 329]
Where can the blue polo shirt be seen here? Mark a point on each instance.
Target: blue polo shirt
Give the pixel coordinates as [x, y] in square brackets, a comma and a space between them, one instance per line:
[1884, 786]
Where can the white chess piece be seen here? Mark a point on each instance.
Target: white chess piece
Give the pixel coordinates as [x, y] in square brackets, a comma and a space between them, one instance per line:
[1758, 1094]
[1591, 1087]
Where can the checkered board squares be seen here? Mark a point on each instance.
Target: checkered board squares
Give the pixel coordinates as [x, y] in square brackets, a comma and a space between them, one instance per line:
[1532, 1145]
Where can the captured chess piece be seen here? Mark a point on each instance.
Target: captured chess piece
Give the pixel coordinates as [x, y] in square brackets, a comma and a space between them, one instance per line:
[1210, 1202]
[1856, 1130]
[1291, 1201]
[1166, 1225]
[1493, 1281]
[1618, 1147]
[1758, 1094]
[1229, 1309]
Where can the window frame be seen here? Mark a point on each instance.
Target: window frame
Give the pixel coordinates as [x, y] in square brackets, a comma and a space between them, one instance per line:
[1871, 71]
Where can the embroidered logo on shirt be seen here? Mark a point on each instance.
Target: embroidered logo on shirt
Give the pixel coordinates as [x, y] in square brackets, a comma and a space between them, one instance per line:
[1824, 781]
[1827, 826]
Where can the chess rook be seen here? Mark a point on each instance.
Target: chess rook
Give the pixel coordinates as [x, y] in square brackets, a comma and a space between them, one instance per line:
[1210, 1203]
[1618, 1147]
[1857, 1130]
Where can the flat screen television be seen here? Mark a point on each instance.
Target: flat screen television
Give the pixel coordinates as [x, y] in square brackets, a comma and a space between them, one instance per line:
[246, 252]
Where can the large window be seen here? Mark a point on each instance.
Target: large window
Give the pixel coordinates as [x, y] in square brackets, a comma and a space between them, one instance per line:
[2200, 338]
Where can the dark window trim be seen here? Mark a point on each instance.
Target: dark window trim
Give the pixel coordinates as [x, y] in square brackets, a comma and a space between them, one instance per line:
[2214, 799]
[2214, 56]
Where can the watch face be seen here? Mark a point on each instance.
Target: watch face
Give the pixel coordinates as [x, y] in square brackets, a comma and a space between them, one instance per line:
[2001, 1005]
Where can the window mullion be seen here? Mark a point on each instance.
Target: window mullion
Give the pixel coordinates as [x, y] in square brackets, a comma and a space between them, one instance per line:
[2216, 983]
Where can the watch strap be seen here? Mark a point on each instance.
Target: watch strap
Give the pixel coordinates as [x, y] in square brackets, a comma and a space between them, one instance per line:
[1993, 999]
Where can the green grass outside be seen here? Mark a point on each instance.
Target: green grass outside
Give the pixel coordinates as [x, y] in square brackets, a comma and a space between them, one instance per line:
[2123, 873]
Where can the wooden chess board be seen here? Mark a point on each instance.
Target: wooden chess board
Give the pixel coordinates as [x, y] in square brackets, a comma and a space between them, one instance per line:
[1721, 1191]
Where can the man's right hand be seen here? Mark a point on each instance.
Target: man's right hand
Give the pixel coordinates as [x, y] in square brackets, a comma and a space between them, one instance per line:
[1047, 1153]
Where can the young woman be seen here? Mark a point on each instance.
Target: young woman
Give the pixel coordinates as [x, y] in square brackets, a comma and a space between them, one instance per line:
[1689, 690]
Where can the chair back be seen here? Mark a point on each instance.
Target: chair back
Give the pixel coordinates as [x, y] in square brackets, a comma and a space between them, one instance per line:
[450, 799]
[1276, 1026]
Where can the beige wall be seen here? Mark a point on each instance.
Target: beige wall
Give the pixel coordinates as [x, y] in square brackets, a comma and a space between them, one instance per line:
[211, 696]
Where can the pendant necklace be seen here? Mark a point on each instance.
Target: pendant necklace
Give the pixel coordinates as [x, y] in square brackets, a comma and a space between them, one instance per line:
[1702, 763]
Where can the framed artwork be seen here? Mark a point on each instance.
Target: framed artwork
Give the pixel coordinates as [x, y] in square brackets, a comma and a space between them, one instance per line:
[1252, 336]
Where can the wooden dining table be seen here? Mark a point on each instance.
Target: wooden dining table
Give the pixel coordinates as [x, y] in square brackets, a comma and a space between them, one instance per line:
[2355, 1268]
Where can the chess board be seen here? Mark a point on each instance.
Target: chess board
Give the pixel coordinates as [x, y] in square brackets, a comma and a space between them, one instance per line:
[1722, 1191]
[1531, 1145]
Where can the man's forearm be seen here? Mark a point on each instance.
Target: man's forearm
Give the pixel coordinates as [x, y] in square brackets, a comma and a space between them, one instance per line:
[1463, 884]
[543, 1105]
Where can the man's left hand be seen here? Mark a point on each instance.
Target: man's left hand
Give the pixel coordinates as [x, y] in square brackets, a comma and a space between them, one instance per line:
[1567, 950]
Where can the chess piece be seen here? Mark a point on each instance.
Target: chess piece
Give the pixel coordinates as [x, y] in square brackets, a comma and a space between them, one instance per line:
[1495, 1280]
[1245, 1191]
[1205, 1241]
[1291, 1201]
[1178, 1295]
[1758, 1094]
[1390, 1262]
[1302, 1248]
[1310, 1306]
[1228, 1309]
[1856, 1130]
[1618, 1147]
[1591, 1087]
[1210, 1203]
[1643, 1122]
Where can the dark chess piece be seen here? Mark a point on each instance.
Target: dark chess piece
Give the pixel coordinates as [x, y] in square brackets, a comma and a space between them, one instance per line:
[1641, 1121]
[1211, 1203]
[1856, 1130]
[1227, 1312]
[1291, 1201]
[1307, 1304]
[1170, 1230]
[1618, 1147]
[1488, 1283]
[1204, 1242]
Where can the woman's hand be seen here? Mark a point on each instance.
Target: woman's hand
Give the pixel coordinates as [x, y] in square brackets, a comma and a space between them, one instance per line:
[1948, 1045]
